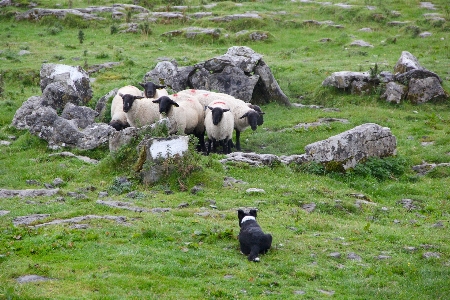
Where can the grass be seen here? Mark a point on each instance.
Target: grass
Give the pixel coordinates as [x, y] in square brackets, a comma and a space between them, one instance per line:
[186, 253]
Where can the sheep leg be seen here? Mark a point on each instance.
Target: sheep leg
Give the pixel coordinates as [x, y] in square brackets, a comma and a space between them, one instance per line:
[238, 142]
[229, 146]
[208, 150]
[225, 146]
[201, 147]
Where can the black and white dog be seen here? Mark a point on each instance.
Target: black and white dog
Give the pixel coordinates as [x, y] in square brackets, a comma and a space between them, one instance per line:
[252, 239]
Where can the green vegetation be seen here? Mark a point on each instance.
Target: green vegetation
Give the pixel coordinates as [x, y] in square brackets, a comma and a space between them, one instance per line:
[191, 251]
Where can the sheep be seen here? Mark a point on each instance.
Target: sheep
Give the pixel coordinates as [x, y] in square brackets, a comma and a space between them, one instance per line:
[245, 114]
[203, 96]
[258, 109]
[219, 124]
[185, 116]
[118, 117]
[152, 90]
[139, 110]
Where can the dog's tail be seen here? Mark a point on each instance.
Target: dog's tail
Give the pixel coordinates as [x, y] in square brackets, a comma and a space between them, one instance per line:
[254, 252]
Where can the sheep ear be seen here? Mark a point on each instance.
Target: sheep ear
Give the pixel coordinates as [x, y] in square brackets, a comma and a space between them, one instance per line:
[209, 107]
[244, 116]
[120, 94]
[175, 104]
[141, 84]
[160, 86]
[139, 97]
[226, 109]
[262, 113]
[157, 100]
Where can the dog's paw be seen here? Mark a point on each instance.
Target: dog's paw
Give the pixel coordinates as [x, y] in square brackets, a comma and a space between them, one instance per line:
[256, 259]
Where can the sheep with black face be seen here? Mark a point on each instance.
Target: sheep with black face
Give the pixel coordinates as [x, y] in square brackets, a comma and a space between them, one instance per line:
[152, 90]
[219, 125]
[139, 110]
[118, 116]
[186, 116]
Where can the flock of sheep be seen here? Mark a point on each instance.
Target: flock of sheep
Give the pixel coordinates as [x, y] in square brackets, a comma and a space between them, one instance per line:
[189, 112]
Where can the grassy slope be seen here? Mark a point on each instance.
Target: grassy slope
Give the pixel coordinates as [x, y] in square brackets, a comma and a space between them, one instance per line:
[181, 254]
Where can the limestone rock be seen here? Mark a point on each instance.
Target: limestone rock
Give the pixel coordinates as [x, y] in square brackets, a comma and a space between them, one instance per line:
[407, 62]
[61, 84]
[344, 79]
[29, 106]
[240, 72]
[394, 92]
[353, 146]
[424, 90]
[82, 116]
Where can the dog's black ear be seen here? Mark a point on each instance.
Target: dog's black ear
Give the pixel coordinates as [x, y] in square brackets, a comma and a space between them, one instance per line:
[253, 212]
[241, 214]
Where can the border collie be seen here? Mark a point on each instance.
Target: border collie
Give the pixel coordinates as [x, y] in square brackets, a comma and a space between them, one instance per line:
[252, 239]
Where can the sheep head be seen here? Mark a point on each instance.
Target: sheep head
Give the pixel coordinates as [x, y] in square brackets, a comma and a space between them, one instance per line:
[217, 113]
[258, 109]
[150, 88]
[128, 101]
[252, 118]
[165, 104]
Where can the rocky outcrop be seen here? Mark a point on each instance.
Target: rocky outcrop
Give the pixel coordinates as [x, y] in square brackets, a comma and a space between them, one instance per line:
[410, 81]
[65, 89]
[341, 152]
[347, 149]
[61, 84]
[240, 72]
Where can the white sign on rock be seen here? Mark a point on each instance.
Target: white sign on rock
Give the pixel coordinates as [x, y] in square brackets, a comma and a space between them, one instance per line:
[167, 147]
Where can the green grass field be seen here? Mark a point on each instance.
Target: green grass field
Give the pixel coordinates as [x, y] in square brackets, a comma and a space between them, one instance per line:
[341, 250]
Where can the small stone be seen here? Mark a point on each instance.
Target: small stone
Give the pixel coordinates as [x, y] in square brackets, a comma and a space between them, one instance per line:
[183, 205]
[299, 292]
[382, 257]
[410, 249]
[438, 224]
[431, 255]
[425, 34]
[32, 182]
[203, 214]
[354, 256]
[309, 207]
[160, 210]
[58, 182]
[196, 189]
[102, 194]
[335, 255]
[132, 195]
[255, 191]
[329, 293]
[31, 278]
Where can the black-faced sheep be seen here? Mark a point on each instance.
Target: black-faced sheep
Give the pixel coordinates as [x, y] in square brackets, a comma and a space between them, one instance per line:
[244, 117]
[152, 90]
[219, 124]
[245, 114]
[118, 117]
[139, 110]
[185, 116]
